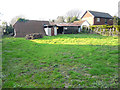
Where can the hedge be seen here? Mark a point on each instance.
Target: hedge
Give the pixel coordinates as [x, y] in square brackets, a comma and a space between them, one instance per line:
[117, 27]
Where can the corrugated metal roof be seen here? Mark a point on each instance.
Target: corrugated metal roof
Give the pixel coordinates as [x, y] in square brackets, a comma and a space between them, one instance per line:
[67, 24]
[52, 23]
[100, 14]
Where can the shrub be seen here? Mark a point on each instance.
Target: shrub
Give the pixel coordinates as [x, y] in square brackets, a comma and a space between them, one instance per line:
[22, 20]
[34, 36]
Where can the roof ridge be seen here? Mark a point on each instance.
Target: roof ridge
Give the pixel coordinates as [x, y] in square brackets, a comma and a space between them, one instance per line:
[100, 14]
[97, 11]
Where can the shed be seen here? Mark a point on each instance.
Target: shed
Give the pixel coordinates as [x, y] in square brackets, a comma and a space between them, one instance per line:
[50, 30]
[28, 27]
[67, 28]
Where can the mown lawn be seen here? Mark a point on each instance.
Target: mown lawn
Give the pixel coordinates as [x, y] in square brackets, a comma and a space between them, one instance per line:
[70, 61]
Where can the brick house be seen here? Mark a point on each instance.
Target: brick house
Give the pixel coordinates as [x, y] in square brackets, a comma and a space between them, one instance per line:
[97, 18]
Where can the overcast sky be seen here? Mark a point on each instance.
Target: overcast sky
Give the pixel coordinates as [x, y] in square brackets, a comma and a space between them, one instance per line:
[50, 9]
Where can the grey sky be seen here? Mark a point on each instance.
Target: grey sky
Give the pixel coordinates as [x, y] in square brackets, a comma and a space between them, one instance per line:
[50, 9]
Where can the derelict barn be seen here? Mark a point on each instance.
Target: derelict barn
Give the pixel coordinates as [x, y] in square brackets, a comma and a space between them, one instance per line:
[67, 28]
[28, 27]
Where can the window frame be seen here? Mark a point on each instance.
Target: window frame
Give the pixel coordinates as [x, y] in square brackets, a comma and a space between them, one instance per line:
[98, 19]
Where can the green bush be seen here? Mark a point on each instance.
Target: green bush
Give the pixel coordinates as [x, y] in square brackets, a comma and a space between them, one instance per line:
[22, 20]
[101, 26]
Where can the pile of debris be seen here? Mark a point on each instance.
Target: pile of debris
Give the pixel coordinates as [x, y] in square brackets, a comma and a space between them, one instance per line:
[34, 36]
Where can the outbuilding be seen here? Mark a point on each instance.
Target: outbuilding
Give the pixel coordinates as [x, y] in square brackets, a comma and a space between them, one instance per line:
[67, 28]
[50, 30]
[21, 29]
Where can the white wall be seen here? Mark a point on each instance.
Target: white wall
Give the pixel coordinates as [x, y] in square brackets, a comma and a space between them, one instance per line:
[14, 33]
[85, 23]
[48, 31]
[55, 30]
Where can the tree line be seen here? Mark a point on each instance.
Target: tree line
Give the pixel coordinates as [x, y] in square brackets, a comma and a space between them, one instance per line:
[70, 17]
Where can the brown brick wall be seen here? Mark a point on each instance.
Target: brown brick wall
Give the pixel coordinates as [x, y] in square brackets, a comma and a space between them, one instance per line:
[93, 21]
[110, 22]
[102, 21]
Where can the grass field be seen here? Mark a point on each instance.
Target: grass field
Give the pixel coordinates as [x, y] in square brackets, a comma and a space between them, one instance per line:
[70, 61]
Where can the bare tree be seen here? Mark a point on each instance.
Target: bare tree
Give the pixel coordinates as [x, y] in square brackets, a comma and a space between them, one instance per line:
[60, 19]
[13, 21]
[73, 13]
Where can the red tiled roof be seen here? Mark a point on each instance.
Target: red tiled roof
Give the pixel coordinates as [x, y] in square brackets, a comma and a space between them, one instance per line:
[75, 23]
[79, 22]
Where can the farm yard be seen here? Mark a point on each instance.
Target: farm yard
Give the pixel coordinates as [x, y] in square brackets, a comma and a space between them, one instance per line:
[69, 60]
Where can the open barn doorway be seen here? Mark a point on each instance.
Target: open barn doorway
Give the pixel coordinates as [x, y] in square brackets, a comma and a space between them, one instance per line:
[60, 30]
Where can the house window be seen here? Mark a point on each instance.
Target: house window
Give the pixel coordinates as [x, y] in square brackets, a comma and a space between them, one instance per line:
[98, 19]
[105, 21]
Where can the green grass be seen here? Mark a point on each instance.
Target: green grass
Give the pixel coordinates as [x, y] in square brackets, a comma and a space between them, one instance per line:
[74, 60]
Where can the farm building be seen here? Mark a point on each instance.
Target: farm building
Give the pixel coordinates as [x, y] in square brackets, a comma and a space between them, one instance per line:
[21, 28]
[28, 27]
[61, 28]
[97, 18]
[67, 28]
[46, 28]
